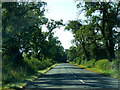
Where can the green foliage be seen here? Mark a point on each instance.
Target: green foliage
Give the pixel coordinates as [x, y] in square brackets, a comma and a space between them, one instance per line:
[37, 64]
[74, 61]
[85, 62]
[71, 53]
[26, 35]
[33, 62]
[68, 61]
[26, 47]
[102, 64]
[73, 25]
[46, 63]
[77, 61]
[12, 74]
[97, 37]
[91, 63]
[115, 64]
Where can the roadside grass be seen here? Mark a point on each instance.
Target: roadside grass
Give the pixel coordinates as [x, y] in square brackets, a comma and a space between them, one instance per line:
[27, 79]
[18, 74]
[100, 66]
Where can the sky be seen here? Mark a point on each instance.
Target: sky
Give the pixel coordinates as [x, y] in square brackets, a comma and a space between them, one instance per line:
[65, 10]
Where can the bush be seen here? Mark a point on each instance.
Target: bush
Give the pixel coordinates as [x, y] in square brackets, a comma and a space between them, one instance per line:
[37, 64]
[115, 64]
[84, 62]
[11, 74]
[33, 63]
[46, 63]
[103, 64]
[77, 61]
[15, 73]
[74, 61]
[91, 63]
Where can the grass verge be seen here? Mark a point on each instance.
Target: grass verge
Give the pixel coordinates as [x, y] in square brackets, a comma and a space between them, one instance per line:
[27, 79]
[113, 74]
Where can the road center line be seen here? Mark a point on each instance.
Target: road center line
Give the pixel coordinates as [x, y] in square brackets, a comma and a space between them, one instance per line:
[76, 76]
[82, 81]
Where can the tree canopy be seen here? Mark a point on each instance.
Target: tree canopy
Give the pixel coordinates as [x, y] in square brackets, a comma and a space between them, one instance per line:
[97, 38]
[23, 34]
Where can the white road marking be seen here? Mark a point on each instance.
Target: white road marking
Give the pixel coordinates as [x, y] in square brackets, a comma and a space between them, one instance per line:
[76, 76]
[82, 81]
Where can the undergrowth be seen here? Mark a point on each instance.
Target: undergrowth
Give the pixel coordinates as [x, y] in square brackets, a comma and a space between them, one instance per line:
[103, 66]
[18, 72]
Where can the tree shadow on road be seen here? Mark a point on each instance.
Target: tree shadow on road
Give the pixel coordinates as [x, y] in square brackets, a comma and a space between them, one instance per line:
[92, 80]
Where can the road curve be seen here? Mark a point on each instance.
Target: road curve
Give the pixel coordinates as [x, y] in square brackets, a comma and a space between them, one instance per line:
[69, 76]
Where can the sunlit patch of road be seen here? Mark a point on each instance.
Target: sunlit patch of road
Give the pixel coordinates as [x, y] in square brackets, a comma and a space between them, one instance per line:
[69, 76]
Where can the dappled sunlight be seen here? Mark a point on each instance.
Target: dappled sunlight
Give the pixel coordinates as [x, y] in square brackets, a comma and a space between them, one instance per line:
[63, 75]
[36, 36]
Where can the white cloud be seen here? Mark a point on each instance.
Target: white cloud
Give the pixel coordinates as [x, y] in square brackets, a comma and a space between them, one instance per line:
[65, 37]
[65, 10]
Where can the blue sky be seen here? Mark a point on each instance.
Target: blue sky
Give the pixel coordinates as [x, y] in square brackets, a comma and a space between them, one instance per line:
[62, 9]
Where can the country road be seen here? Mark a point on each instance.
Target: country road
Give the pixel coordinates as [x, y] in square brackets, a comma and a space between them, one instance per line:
[69, 76]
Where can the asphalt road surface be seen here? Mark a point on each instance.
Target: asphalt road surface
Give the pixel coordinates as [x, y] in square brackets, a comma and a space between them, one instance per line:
[69, 76]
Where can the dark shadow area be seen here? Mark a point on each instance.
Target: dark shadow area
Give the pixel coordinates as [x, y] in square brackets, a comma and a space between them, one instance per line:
[91, 80]
[65, 74]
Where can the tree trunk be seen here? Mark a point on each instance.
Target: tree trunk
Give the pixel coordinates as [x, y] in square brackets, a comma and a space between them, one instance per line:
[109, 46]
[85, 51]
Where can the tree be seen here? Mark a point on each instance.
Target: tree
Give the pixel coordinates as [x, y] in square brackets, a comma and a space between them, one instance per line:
[105, 13]
[26, 36]
[72, 53]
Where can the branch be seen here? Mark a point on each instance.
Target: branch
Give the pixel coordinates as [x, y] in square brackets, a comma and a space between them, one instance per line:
[99, 26]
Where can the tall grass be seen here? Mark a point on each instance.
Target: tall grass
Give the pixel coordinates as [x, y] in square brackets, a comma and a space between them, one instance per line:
[103, 65]
[17, 72]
